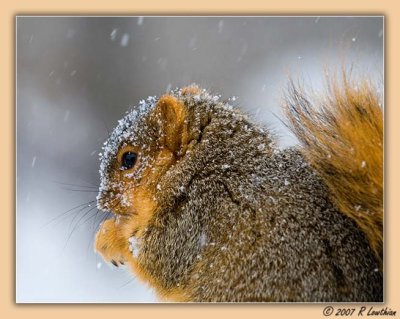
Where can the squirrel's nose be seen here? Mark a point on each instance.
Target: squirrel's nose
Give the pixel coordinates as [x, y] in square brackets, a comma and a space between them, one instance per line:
[101, 203]
[110, 201]
[105, 200]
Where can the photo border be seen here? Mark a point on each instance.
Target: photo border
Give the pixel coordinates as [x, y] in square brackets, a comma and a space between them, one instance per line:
[8, 306]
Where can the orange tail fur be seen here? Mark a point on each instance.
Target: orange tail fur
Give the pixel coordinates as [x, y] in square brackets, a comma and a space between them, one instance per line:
[341, 135]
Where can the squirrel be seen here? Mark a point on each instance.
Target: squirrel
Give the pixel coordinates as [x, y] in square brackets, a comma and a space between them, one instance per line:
[208, 209]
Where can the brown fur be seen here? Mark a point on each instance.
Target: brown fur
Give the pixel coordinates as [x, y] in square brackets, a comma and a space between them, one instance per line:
[191, 90]
[342, 137]
[213, 172]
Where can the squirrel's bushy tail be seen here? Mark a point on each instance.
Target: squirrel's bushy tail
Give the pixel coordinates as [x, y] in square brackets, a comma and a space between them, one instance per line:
[341, 135]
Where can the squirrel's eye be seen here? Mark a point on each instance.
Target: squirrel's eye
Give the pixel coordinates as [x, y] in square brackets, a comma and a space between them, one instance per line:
[128, 160]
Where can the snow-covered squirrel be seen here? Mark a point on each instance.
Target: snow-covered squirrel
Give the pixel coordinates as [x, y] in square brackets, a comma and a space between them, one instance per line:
[209, 209]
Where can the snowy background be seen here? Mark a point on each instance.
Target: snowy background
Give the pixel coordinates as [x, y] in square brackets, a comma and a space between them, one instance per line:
[77, 76]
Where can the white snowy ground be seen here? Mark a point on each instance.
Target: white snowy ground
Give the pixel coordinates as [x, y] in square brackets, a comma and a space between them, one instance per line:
[77, 76]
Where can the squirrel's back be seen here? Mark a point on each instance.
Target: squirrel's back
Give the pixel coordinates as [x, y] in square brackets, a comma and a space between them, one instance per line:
[289, 244]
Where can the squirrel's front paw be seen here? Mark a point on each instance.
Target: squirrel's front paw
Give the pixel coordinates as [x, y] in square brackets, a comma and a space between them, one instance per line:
[111, 244]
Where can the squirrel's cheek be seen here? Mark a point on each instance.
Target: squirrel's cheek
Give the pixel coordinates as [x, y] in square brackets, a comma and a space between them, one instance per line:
[127, 200]
[143, 206]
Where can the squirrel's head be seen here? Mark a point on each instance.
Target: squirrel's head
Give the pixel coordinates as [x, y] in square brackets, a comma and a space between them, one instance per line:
[140, 150]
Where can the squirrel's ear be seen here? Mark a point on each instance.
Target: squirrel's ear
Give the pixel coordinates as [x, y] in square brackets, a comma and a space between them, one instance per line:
[170, 115]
